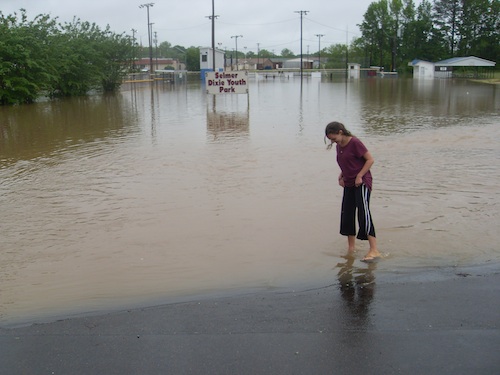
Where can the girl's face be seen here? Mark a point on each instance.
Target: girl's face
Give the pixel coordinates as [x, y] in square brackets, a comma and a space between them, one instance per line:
[335, 137]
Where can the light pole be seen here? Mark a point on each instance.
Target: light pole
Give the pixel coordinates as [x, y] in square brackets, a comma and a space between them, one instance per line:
[258, 55]
[236, 39]
[147, 6]
[156, 50]
[319, 49]
[213, 17]
[302, 13]
[133, 50]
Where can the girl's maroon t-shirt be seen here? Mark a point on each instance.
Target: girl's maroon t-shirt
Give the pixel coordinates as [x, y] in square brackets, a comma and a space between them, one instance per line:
[351, 161]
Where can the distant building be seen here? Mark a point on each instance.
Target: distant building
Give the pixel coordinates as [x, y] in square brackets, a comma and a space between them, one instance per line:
[422, 69]
[207, 58]
[469, 66]
[295, 63]
[160, 63]
[253, 64]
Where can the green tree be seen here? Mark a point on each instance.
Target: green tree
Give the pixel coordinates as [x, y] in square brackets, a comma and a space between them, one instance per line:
[358, 53]
[193, 59]
[447, 15]
[114, 54]
[24, 57]
[337, 56]
[165, 50]
[376, 29]
[89, 58]
[287, 53]
[264, 53]
[478, 29]
[419, 37]
[42, 57]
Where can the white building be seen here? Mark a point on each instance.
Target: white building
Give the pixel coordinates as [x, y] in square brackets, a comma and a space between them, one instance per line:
[446, 68]
[422, 69]
[354, 70]
[206, 60]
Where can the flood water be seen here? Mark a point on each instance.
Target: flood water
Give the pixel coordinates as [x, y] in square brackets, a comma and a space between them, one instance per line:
[160, 193]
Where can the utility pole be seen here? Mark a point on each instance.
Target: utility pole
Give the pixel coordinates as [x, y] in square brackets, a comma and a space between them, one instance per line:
[302, 13]
[258, 55]
[236, 39]
[319, 49]
[347, 53]
[156, 50]
[133, 49]
[213, 17]
[147, 6]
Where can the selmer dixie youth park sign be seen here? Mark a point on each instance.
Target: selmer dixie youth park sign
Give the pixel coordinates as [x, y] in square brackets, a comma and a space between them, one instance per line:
[227, 82]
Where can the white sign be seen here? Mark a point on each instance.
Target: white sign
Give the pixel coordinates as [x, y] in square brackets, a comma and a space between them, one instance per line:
[227, 82]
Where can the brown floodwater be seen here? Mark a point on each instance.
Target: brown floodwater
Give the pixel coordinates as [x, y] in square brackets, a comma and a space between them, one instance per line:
[164, 192]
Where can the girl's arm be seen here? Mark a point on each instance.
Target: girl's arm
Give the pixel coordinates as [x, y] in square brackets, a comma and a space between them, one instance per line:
[368, 163]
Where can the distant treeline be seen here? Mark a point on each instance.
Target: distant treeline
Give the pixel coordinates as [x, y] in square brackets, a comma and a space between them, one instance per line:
[44, 58]
[395, 32]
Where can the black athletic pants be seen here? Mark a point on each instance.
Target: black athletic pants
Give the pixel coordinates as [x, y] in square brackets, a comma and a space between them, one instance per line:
[356, 199]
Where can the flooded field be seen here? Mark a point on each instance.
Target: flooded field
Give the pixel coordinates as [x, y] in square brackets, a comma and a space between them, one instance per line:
[166, 192]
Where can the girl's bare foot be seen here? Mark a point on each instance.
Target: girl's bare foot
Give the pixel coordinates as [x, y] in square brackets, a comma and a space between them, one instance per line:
[372, 255]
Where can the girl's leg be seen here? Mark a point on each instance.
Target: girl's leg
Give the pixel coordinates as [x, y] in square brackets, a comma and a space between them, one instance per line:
[366, 227]
[348, 217]
[351, 242]
[373, 252]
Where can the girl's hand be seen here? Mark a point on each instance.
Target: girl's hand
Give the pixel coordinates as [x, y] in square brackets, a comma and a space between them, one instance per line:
[359, 181]
[341, 182]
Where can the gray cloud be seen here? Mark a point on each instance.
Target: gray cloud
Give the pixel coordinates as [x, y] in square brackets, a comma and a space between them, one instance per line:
[185, 23]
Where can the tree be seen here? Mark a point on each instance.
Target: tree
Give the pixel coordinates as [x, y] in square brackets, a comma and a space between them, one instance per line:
[487, 44]
[420, 38]
[114, 51]
[41, 57]
[193, 59]
[358, 52]
[89, 59]
[478, 29]
[447, 14]
[376, 31]
[264, 53]
[287, 53]
[25, 58]
[336, 54]
[165, 50]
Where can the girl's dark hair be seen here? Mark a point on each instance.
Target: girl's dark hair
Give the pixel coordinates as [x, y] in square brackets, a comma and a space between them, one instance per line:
[334, 128]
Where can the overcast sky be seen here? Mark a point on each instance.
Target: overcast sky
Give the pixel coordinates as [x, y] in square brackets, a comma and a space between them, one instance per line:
[274, 25]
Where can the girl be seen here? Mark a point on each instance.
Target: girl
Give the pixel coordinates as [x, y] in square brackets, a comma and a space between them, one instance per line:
[355, 177]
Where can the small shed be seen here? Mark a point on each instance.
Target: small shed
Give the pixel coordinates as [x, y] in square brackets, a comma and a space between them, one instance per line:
[206, 60]
[354, 70]
[422, 69]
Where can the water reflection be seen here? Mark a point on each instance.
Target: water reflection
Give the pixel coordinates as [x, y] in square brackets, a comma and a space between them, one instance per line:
[357, 288]
[228, 117]
[40, 129]
[399, 106]
[227, 125]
